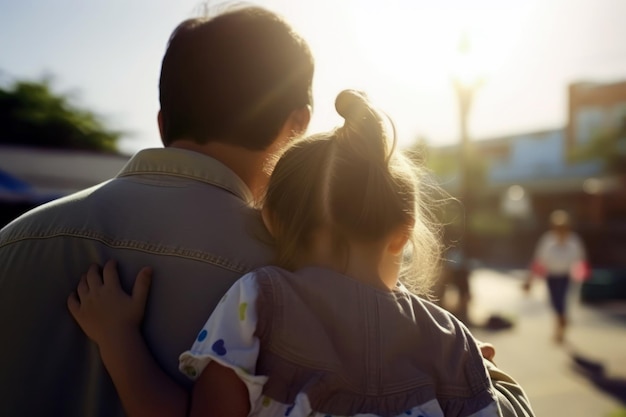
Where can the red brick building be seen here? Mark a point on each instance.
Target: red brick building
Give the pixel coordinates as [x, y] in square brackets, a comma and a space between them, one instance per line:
[593, 107]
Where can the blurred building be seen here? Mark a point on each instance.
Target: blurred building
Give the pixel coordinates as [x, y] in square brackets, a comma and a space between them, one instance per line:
[597, 121]
[519, 179]
[594, 107]
[32, 176]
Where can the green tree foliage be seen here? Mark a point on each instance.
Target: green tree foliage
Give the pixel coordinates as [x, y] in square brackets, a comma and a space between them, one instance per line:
[31, 114]
[446, 163]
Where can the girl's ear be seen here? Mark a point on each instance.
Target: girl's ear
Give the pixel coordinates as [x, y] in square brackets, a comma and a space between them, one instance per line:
[399, 239]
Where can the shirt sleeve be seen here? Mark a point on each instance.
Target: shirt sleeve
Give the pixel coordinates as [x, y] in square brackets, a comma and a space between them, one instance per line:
[579, 248]
[228, 337]
[541, 248]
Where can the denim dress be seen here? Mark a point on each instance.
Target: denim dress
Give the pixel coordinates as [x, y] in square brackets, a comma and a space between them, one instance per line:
[318, 343]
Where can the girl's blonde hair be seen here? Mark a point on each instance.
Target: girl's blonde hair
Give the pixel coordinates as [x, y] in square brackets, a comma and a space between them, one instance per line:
[353, 180]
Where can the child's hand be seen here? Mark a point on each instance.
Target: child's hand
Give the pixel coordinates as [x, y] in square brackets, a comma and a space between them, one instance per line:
[101, 307]
[487, 350]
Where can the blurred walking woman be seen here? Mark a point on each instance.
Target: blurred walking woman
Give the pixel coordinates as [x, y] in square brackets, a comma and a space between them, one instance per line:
[559, 257]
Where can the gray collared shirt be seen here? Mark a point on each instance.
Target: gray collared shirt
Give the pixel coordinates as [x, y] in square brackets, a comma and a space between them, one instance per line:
[185, 214]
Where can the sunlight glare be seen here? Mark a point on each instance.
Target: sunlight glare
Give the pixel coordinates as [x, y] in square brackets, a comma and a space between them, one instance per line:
[405, 53]
[418, 40]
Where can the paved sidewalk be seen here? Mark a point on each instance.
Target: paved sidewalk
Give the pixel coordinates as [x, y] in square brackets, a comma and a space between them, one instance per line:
[546, 370]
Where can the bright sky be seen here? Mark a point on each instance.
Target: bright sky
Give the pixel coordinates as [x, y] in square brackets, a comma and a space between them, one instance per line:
[403, 53]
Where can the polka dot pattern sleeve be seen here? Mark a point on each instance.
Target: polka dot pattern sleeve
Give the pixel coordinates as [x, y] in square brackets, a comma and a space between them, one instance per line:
[228, 337]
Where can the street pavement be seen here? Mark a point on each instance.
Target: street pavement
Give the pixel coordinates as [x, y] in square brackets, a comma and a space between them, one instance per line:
[554, 383]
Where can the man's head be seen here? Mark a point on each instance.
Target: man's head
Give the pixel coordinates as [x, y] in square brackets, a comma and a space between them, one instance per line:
[234, 78]
[560, 222]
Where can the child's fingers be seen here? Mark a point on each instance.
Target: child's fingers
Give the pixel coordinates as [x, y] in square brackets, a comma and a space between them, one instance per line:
[73, 304]
[82, 288]
[487, 350]
[94, 277]
[109, 274]
[142, 286]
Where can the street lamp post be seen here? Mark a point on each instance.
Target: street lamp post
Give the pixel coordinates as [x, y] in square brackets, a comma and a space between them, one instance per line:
[465, 94]
[465, 81]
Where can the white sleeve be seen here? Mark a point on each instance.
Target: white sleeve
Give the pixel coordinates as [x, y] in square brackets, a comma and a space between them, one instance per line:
[580, 248]
[228, 337]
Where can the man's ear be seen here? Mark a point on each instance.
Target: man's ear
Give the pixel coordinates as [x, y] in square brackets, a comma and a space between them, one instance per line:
[299, 120]
[160, 123]
[295, 126]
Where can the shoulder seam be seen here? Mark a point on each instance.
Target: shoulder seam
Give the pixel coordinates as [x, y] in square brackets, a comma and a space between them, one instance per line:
[137, 245]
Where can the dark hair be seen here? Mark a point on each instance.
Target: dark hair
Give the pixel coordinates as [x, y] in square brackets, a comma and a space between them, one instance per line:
[234, 78]
[353, 180]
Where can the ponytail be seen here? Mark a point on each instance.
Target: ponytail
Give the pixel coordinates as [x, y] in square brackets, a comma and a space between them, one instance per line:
[375, 189]
[364, 128]
[366, 200]
[353, 181]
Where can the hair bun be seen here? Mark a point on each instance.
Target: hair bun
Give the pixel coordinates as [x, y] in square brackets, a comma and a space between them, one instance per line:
[364, 130]
[350, 103]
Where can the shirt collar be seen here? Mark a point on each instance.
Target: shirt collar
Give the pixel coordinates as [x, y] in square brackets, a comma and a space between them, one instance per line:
[187, 164]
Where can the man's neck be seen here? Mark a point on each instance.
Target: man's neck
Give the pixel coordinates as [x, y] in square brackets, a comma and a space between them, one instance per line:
[250, 166]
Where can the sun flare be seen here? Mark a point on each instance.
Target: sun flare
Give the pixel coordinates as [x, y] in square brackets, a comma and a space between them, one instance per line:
[402, 51]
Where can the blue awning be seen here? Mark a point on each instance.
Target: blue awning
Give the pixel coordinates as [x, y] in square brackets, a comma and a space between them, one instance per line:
[15, 190]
